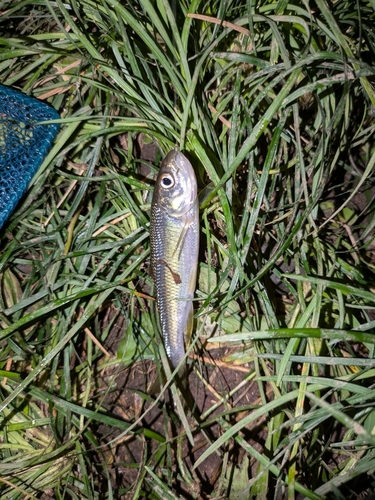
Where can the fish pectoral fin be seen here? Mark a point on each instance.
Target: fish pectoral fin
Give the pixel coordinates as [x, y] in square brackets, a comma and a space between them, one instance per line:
[181, 238]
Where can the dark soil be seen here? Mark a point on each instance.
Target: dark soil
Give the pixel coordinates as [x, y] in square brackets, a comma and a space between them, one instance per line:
[125, 401]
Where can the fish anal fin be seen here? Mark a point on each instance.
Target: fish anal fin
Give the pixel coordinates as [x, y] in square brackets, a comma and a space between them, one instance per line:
[189, 324]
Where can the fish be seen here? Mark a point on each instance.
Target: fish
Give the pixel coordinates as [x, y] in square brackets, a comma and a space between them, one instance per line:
[174, 245]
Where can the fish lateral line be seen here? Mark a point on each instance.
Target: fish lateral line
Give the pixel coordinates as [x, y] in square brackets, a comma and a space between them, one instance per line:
[176, 277]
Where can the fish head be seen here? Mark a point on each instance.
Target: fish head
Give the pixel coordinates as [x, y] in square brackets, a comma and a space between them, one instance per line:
[176, 185]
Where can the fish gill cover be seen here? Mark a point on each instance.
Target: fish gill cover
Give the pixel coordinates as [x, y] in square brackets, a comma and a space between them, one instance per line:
[24, 143]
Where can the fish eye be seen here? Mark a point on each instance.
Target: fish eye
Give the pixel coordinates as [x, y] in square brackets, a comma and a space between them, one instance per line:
[167, 181]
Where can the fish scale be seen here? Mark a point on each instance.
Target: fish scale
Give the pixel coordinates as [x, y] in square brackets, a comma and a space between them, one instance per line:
[174, 253]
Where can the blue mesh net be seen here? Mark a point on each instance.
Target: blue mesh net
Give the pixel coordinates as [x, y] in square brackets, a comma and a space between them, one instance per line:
[23, 144]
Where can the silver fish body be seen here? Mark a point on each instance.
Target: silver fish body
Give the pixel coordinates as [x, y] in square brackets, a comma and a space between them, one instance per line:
[174, 238]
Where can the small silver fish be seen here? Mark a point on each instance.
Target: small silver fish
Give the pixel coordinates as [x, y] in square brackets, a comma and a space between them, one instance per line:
[174, 237]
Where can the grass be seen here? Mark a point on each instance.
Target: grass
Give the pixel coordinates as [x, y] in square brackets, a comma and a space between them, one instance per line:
[274, 104]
